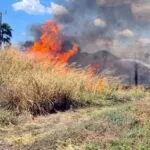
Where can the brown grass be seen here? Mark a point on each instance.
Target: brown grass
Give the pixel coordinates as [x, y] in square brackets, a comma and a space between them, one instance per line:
[41, 88]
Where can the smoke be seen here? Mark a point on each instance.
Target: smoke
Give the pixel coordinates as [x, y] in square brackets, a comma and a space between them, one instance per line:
[116, 26]
[95, 23]
[107, 31]
[120, 27]
[34, 31]
[112, 25]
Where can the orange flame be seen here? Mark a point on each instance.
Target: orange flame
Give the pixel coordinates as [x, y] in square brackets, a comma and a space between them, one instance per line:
[100, 83]
[93, 69]
[48, 48]
[49, 45]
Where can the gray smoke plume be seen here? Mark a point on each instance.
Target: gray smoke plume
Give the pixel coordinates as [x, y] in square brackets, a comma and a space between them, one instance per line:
[112, 33]
[111, 25]
[34, 31]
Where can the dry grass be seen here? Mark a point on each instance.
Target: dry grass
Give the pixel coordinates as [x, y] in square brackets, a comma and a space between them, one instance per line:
[42, 87]
[116, 127]
[28, 86]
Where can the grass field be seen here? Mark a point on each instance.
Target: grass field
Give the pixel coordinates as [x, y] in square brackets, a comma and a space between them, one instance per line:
[52, 106]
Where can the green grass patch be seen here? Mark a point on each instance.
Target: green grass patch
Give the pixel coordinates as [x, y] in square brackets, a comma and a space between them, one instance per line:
[7, 118]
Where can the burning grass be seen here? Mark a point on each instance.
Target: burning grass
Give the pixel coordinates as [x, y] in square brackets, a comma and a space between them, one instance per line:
[41, 88]
[28, 85]
[41, 82]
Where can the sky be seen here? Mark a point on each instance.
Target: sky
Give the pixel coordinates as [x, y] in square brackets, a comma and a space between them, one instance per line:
[21, 14]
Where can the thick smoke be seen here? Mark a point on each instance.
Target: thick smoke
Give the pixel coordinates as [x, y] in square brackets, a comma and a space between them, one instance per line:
[107, 32]
[34, 32]
[101, 27]
[112, 25]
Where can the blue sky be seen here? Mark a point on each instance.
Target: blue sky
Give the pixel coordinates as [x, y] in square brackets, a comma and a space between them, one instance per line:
[23, 13]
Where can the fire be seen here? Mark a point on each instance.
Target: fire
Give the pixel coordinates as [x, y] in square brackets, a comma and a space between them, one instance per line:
[100, 82]
[49, 45]
[48, 49]
[94, 69]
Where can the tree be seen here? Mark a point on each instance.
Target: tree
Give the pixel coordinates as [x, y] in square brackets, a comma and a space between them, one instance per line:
[5, 34]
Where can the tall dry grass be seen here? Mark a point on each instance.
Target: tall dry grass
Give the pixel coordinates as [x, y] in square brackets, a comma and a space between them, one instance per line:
[42, 87]
[26, 84]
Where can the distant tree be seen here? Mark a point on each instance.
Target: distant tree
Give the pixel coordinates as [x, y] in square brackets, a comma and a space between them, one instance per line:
[5, 34]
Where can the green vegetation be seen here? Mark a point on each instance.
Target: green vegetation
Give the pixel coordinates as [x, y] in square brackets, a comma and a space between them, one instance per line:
[98, 116]
[119, 127]
[7, 117]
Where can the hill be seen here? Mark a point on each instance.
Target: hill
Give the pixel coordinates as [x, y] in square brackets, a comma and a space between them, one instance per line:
[125, 68]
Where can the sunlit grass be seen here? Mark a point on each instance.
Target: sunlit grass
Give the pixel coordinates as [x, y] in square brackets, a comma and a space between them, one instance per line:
[27, 84]
[44, 87]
